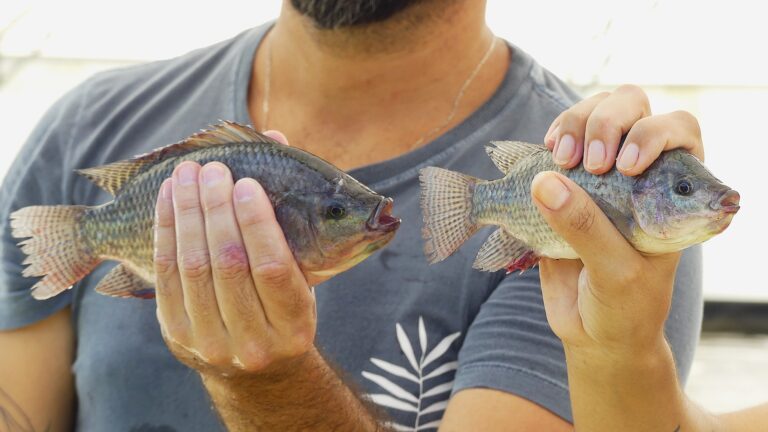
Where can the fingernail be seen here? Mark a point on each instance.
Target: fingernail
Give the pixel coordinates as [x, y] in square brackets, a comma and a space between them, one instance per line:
[212, 174]
[166, 190]
[551, 191]
[187, 174]
[245, 190]
[595, 154]
[565, 150]
[629, 156]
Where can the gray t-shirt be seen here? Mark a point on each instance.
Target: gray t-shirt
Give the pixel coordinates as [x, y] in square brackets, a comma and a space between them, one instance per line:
[406, 333]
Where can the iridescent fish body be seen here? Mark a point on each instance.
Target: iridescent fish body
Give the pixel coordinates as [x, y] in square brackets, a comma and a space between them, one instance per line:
[674, 204]
[330, 220]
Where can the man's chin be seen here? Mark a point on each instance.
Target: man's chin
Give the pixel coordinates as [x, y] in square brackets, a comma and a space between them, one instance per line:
[335, 14]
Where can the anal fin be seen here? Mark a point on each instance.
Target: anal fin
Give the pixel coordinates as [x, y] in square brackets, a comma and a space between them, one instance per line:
[502, 250]
[122, 282]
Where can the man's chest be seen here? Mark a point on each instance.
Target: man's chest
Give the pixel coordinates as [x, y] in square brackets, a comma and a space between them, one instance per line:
[395, 325]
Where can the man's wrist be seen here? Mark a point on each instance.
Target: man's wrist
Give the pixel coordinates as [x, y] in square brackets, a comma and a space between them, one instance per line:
[276, 375]
[304, 393]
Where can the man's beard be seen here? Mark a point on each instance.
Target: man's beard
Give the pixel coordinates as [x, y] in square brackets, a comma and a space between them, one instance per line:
[334, 14]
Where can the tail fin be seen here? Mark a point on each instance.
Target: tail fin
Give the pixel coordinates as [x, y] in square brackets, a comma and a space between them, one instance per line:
[446, 204]
[55, 250]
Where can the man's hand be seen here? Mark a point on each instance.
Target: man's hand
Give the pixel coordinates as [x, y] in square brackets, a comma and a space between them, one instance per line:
[234, 305]
[231, 298]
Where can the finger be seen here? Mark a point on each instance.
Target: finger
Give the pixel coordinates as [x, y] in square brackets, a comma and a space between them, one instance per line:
[235, 292]
[277, 136]
[192, 251]
[653, 135]
[282, 288]
[573, 122]
[572, 214]
[611, 119]
[550, 138]
[170, 298]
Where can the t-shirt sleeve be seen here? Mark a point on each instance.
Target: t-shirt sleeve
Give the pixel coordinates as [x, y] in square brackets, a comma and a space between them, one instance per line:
[510, 346]
[36, 177]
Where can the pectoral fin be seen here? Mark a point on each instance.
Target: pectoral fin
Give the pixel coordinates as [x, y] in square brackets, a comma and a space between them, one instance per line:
[621, 221]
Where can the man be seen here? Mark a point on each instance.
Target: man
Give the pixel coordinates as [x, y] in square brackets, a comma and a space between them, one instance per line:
[381, 88]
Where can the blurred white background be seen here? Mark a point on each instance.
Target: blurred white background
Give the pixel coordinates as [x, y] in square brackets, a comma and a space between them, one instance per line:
[704, 57]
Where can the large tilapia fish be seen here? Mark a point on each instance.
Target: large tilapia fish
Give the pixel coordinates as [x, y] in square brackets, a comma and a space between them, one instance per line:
[330, 220]
[674, 204]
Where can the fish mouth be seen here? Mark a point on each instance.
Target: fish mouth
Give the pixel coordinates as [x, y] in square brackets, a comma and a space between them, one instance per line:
[382, 220]
[725, 206]
[728, 202]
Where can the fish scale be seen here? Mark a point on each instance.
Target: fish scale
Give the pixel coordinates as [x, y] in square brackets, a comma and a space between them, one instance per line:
[330, 220]
[128, 220]
[676, 203]
[513, 209]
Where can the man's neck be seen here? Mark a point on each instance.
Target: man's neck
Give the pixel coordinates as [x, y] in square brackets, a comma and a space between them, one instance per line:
[361, 95]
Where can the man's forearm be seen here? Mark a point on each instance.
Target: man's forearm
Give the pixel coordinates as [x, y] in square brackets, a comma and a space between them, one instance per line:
[631, 392]
[309, 396]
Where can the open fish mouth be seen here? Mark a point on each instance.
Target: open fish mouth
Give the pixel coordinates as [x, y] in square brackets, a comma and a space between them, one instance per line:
[726, 207]
[729, 202]
[382, 220]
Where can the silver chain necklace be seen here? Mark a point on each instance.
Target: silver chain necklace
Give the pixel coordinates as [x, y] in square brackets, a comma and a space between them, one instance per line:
[423, 138]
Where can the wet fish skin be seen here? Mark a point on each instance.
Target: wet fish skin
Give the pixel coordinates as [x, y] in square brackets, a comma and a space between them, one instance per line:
[302, 188]
[647, 209]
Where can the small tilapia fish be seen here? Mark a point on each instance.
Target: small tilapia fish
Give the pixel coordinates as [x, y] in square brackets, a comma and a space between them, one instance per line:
[330, 220]
[674, 204]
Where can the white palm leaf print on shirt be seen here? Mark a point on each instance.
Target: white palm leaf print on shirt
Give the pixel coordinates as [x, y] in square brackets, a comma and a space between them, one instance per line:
[425, 401]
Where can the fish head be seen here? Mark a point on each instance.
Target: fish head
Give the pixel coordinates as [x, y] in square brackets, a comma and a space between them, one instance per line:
[678, 201]
[337, 227]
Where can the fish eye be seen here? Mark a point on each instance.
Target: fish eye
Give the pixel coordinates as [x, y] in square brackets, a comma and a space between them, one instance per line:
[684, 187]
[335, 211]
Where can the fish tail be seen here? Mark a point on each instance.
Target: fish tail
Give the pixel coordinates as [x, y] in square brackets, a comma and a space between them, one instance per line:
[56, 249]
[447, 207]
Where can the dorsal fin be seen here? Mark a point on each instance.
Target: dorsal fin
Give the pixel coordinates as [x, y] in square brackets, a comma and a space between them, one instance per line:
[505, 154]
[112, 177]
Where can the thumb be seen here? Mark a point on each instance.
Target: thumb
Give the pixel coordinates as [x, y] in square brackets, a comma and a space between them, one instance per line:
[572, 214]
[277, 136]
